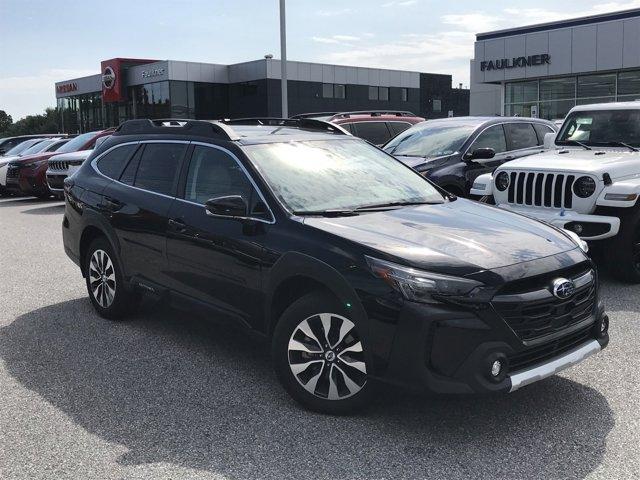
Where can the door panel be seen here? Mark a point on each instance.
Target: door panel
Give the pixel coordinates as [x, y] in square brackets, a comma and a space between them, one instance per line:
[215, 259]
[139, 215]
[492, 137]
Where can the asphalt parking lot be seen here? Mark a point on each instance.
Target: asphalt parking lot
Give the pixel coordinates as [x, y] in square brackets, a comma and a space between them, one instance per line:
[170, 395]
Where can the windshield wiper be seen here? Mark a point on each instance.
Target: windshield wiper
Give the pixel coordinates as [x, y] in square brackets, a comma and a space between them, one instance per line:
[384, 206]
[331, 212]
[576, 142]
[622, 144]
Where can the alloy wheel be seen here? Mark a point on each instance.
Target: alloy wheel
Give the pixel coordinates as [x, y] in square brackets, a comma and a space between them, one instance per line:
[102, 278]
[326, 356]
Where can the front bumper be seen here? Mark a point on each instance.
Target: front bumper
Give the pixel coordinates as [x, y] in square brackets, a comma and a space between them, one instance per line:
[445, 350]
[605, 227]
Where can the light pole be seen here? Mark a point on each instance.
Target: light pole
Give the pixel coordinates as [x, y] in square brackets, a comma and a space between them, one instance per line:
[283, 61]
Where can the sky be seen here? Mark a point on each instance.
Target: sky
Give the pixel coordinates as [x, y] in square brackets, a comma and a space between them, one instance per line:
[42, 42]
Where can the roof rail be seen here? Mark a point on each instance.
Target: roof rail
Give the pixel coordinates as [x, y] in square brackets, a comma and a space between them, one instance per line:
[374, 113]
[306, 123]
[177, 126]
[314, 114]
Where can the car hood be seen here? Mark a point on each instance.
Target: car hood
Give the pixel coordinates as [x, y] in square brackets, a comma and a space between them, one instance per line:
[460, 237]
[615, 162]
[414, 162]
[71, 156]
[33, 158]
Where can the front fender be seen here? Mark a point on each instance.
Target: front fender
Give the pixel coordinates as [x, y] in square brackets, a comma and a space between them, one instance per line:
[622, 194]
[483, 185]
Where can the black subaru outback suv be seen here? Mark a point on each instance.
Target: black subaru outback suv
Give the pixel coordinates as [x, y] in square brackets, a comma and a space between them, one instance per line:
[355, 267]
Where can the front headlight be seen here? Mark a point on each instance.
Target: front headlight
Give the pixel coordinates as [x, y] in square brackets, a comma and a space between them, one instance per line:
[419, 285]
[578, 241]
[502, 181]
[584, 187]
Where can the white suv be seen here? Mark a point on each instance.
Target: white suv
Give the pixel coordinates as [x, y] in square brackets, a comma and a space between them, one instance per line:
[588, 184]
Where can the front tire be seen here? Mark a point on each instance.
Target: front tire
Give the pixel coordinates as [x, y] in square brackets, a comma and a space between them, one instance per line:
[320, 357]
[107, 291]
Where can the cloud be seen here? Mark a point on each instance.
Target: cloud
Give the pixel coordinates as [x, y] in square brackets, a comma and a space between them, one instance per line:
[29, 94]
[401, 3]
[337, 39]
[333, 13]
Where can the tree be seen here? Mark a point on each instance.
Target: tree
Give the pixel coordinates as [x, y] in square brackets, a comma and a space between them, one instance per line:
[33, 124]
[5, 121]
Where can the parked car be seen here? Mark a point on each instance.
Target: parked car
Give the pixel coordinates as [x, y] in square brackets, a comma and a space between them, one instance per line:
[589, 183]
[375, 126]
[7, 143]
[31, 147]
[27, 175]
[452, 152]
[352, 264]
[61, 166]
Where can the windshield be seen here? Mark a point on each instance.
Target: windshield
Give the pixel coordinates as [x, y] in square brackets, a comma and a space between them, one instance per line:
[77, 143]
[601, 128]
[21, 147]
[39, 147]
[430, 139]
[341, 174]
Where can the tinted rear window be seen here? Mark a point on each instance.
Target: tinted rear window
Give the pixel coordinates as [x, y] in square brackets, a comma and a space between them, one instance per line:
[112, 163]
[375, 132]
[522, 135]
[159, 166]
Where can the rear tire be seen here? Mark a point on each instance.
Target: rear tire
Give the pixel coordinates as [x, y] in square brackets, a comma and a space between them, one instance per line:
[319, 355]
[109, 295]
[624, 256]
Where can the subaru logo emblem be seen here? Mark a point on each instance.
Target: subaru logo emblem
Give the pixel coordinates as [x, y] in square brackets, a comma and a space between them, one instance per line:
[563, 288]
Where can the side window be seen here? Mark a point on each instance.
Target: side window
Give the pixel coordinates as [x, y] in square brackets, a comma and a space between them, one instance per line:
[112, 163]
[542, 130]
[213, 173]
[347, 127]
[375, 132]
[398, 127]
[521, 135]
[492, 137]
[158, 167]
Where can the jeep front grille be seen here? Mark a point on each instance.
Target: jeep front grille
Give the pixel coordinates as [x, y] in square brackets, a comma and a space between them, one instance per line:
[539, 189]
[60, 165]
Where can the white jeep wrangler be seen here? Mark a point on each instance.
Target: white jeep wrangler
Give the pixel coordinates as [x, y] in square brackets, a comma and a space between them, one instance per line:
[589, 183]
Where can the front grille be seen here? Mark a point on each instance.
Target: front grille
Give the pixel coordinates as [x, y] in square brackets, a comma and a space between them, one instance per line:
[56, 181]
[550, 190]
[542, 353]
[539, 313]
[60, 165]
[12, 171]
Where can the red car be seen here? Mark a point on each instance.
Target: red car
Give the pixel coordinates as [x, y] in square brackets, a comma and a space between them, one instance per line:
[28, 175]
[375, 126]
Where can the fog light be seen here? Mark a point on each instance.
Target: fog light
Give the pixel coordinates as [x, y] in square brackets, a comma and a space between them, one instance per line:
[496, 368]
[578, 228]
[604, 325]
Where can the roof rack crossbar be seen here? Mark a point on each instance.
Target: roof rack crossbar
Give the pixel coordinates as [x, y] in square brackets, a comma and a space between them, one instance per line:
[374, 113]
[306, 123]
[178, 126]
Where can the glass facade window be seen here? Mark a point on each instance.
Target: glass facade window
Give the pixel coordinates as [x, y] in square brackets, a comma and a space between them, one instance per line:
[373, 93]
[437, 105]
[327, 90]
[404, 94]
[554, 97]
[339, 91]
[383, 94]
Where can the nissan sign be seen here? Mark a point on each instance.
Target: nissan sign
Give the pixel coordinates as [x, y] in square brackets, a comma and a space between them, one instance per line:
[515, 62]
[108, 78]
[156, 72]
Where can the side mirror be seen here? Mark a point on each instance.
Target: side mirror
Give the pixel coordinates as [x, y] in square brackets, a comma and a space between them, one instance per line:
[232, 206]
[548, 141]
[481, 154]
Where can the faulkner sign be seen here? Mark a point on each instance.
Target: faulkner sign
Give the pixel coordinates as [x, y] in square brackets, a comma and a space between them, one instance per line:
[515, 62]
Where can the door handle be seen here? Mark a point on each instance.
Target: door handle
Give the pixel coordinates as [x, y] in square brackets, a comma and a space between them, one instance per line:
[177, 224]
[112, 204]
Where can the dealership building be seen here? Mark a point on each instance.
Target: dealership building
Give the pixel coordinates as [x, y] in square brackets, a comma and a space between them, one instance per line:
[545, 70]
[142, 88]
